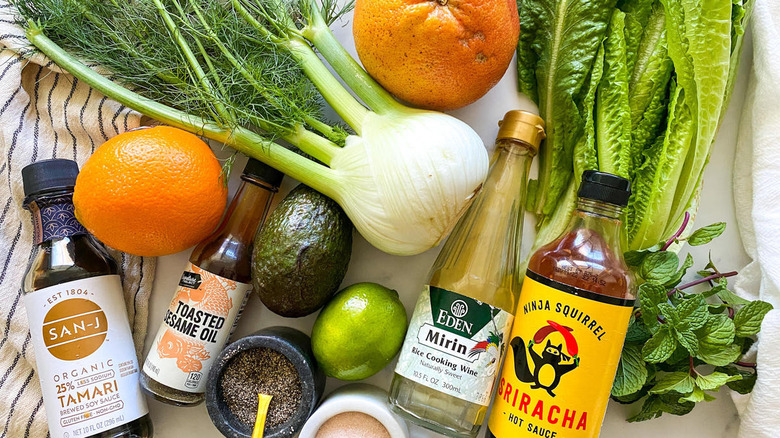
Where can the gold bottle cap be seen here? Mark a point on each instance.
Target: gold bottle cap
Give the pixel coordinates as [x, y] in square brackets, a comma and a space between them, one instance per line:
[523, 126]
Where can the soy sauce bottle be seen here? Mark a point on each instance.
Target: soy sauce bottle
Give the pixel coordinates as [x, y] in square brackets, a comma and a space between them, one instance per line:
[570, 325]
[211, 294]
[78, 321]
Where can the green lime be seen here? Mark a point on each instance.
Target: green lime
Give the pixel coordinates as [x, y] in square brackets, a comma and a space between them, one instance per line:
[359, 331]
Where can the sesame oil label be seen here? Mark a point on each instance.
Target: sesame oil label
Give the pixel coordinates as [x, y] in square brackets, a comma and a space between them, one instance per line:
[195, 328]
[85, 356]
[454, 344]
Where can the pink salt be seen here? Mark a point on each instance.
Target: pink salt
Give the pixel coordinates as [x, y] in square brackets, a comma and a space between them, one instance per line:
[352, 425]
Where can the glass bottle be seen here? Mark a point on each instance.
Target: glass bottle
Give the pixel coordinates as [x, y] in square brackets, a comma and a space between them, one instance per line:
[211, 295]
[79, 328]
[571, 323]
[456, 339]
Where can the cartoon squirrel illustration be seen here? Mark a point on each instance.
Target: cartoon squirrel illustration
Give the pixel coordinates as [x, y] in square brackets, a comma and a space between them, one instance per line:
[547, 367]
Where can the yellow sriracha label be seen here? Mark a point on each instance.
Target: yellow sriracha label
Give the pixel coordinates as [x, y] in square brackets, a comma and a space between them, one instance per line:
[564, 350]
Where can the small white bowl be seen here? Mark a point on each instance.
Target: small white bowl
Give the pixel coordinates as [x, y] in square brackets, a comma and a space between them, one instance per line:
[356, 397]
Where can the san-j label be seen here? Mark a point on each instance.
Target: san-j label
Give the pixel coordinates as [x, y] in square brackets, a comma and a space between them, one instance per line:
[454, 344]
[196, 326]
[85, 356]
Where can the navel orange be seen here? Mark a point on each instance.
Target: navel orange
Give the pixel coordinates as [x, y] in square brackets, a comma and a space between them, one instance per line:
[151, 192]
[436, 54]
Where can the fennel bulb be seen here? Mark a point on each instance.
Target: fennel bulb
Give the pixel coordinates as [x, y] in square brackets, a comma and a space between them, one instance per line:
[218, 67]
[409, 177]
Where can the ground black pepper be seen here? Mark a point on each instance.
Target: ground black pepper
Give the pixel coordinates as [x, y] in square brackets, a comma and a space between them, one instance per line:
[261, 371]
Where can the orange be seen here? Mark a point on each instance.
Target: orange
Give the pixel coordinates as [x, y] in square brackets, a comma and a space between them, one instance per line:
[151, 192]
[436, 54]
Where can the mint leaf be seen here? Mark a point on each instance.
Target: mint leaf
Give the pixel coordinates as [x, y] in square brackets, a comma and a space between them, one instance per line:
[712, 292]
[679, 356]
[655, 405]
[637, 332]
[746, 344]
[677, 277]
[659, 267]
[718, 330]
[670, 403]
[748, 319]
[650, 296]
[693, 312]
[631, 398]
[744, 385]
[697, 396]
[714, 381]
[635, 258]
[688, 340]
[719, 355]
[631, 373]
[728, 296]
[706, 234]
[681, 382]
[651, 408]
[669, 313]
[659, 347]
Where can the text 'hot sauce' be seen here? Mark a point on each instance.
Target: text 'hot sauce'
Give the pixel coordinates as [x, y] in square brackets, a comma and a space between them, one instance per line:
[570, 324]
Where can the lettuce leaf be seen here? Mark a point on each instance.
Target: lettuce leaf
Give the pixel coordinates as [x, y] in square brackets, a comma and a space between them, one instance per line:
[632, 87]
[558, 44]
[585, 157]
[613, 114]
[663, 163]
[638, 14]
[699, 41]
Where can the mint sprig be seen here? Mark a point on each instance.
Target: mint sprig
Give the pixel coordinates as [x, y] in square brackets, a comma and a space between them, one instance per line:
[684, 341]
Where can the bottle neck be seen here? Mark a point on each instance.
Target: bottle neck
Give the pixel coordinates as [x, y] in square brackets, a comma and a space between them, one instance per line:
[246, 212]
[482, 252]
[609, 211]
[53, 216]
[601, 217]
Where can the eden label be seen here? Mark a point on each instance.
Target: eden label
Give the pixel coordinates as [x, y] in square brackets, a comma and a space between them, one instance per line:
[564, 351]
[195, 328]
[85, 356]
[454, 344]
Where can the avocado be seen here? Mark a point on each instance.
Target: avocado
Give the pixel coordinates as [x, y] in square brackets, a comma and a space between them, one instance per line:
[301, 254]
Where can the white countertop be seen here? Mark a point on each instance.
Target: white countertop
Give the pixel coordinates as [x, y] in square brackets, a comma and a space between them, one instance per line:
[407, 275]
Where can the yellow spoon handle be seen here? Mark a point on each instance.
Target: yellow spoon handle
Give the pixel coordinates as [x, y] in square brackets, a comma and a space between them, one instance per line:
[262, 411]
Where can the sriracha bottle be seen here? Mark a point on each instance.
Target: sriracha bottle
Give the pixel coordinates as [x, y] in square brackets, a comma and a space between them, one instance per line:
[570, 324]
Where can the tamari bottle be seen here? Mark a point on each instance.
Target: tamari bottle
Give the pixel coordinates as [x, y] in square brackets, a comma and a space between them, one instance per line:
[571, 323]
[78, 321]
[210, 297]
[457, 336]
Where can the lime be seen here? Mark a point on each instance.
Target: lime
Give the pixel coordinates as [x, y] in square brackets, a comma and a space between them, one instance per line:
[359, 331]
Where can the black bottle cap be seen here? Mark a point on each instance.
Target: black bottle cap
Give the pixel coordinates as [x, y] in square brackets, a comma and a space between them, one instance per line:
[48, 175]
[605, 187]
[263, 172]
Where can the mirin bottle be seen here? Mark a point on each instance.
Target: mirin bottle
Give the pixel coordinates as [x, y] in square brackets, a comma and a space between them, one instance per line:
[570, 325]
[211, 295]
[456, 339]
[78, 321]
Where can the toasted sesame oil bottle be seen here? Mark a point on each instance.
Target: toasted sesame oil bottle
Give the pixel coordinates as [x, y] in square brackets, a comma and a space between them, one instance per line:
[570, 325]
[210, 297]
[84, 350]
[456, 339]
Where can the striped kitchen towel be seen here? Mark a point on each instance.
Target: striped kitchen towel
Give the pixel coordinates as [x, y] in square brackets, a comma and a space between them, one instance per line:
[44, 114]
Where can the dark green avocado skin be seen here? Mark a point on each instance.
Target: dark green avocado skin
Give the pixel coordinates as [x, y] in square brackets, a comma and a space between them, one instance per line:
[301, 254]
